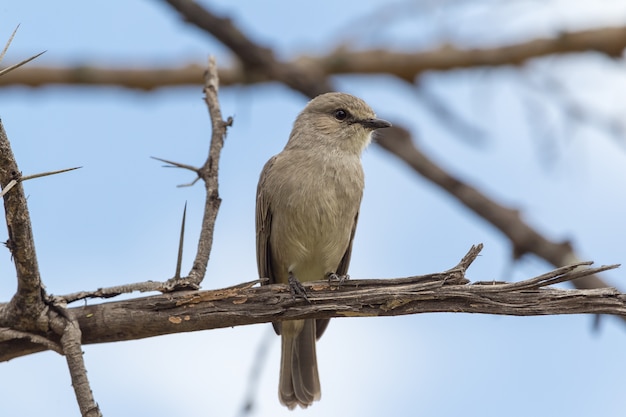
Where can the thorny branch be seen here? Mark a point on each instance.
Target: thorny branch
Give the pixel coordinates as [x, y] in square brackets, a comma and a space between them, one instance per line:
[209, 174]
[29, 312]
[44, 321]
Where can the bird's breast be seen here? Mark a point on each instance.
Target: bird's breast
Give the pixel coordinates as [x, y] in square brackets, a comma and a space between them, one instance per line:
[314, 213]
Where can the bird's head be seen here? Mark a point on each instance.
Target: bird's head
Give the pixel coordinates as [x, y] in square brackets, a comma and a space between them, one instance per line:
[335, 121]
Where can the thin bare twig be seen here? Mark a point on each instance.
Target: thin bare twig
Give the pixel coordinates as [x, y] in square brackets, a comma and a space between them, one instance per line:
[556, 276]
[209, 174]
[109, 292]
[11, 334]
[469, 257]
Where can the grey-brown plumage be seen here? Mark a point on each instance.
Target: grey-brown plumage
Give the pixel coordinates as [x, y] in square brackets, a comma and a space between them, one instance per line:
[308, 201]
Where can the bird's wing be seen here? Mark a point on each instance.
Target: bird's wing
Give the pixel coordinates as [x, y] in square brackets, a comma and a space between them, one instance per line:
[342, 269]
[263, 227]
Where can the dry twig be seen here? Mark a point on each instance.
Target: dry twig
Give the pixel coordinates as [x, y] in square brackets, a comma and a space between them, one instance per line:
[209, 174]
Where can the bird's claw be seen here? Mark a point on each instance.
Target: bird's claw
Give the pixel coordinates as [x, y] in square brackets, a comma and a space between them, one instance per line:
[296, 288]
[337, 278]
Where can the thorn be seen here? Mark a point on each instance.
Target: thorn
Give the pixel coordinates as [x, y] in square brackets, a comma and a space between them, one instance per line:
[8, 187]
[19, 64]
[179, 260]
[172, 164]
[45, 174]
[6, 47]
[14, 182]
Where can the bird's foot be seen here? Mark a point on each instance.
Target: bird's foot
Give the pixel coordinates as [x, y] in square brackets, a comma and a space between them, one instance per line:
[296, 288]
[337, 278]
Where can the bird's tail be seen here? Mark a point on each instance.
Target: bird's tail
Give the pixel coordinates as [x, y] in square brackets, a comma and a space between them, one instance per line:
[299, 381]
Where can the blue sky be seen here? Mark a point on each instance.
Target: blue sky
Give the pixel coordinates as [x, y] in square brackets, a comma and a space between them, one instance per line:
[116, 220]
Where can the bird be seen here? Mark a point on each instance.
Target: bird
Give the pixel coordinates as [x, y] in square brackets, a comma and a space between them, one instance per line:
[307, 207]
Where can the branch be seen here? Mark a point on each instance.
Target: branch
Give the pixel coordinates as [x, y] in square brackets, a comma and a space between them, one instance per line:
[259, 64]
[110, 292]
[244, 304]
[72, 349]
[209, 173]
[258, 61]
[27, 304]
[607, 41]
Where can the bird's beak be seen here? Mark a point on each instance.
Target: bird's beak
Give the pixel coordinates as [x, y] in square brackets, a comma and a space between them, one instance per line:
[374, 124]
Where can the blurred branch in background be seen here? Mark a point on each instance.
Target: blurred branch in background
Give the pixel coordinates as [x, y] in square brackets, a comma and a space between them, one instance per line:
[258, 64]
[573, 110]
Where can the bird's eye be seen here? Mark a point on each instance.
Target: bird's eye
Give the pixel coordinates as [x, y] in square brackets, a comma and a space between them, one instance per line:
[340, 114]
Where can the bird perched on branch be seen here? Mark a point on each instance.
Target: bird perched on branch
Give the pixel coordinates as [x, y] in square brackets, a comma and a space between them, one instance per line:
[307, 208]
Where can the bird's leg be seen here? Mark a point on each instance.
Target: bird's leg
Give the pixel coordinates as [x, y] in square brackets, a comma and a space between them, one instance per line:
[296, 288]
[339, 278]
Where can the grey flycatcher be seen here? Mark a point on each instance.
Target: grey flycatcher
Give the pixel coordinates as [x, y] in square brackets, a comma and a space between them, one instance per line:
[307, 208]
